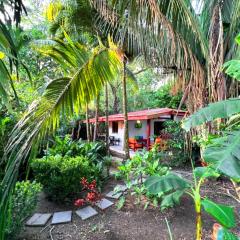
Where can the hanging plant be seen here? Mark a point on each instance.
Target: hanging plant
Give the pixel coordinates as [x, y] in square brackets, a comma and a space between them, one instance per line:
[138, 124]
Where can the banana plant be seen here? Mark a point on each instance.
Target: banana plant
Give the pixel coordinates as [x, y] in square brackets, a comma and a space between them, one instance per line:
[172, 186]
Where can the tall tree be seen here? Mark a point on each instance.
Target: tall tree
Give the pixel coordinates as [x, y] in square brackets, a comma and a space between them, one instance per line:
[107, 120]
[88, 124]
[125, 111]
[95, 134]
[191, 41]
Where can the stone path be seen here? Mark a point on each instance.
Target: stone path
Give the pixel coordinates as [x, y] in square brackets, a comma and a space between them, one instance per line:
[41, 219]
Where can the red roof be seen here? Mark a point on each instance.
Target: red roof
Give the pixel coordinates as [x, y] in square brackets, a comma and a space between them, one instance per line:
[143, 114]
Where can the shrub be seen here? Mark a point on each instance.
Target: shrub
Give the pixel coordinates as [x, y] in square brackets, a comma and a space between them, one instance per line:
[61, 175]
[176, 144]
[66, 147]
[22, 204]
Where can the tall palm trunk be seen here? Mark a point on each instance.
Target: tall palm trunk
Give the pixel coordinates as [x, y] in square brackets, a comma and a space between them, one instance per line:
[96, 119]
[125, 112]
[116, 101]
[107, 121]
[87, 124]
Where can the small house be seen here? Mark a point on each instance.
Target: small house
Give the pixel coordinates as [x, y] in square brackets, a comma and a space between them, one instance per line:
[142, 124]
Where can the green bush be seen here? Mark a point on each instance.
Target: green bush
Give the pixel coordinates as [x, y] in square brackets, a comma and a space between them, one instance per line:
[176, 144]
[22, 204]
[66, 147]
[61, 175]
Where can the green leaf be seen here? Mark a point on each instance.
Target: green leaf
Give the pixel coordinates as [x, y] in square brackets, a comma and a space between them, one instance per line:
[232, 68]
[221, 109]
[121, 202]
[224, 234]
[224, 154]
[165, 184]
[171, 199]
[222, 213]
[205, 172]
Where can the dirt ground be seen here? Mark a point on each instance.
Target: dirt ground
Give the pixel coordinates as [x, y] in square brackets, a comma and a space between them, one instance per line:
[132, 222]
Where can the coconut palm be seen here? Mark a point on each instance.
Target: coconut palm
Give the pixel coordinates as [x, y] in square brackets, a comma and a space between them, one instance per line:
[85, 73]
[192, 41]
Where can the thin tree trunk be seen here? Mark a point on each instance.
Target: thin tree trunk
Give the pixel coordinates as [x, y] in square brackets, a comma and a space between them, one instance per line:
[125, 111]
[96, 119]
[115, 98]
[87, 124]
[107, 121]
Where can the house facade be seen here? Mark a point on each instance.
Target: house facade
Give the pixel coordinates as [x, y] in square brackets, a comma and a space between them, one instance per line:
[144, 124]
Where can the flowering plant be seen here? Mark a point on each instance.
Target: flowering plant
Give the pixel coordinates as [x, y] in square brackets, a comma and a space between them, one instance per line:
[92, 195]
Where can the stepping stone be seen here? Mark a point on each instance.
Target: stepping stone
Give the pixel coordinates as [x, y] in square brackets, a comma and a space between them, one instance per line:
[86, 212]
[114, 195]
[104, 203]
[120, 187]
[39, 219]
[62, 217]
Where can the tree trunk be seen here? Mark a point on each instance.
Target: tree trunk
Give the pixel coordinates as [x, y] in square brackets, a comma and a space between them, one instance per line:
[125, 111]
[87, 124]
[96, 119]
[115, 98]
[107, 122]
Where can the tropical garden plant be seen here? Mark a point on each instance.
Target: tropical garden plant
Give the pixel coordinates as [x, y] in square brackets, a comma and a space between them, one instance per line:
[86, 71]
[135, 171]
[171, 187]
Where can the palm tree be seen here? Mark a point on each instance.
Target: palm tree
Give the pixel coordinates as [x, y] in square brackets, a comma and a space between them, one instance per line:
[107, 120]
[86, 72]
[191, 41]
[125, 111]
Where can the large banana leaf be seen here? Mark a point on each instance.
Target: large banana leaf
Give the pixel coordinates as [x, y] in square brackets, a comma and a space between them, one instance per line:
[222, 109]
[222, 213]
[165, 184]
[224, 154]
[171, 199]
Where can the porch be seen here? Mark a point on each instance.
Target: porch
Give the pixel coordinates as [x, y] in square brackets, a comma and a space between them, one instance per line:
[117, 151]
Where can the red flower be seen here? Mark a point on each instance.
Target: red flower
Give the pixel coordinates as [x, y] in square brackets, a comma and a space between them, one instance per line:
[91, 197]
[84, 182]
[92, 185]
[79, 202]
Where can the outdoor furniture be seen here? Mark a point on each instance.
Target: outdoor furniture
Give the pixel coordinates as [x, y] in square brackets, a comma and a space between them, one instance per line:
[114, 141]
[135, 144]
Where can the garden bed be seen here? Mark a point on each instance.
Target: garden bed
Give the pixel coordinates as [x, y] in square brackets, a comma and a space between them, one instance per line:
[132, 222]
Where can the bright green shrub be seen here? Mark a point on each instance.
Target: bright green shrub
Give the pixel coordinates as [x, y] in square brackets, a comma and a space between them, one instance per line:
[60, 176]
[67, 147]
[22, 204]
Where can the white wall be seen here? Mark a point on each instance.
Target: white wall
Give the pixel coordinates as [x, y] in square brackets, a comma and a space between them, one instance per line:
[120, 133]
[137, 131]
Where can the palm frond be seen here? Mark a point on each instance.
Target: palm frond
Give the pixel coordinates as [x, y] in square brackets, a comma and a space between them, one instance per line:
[63, 96]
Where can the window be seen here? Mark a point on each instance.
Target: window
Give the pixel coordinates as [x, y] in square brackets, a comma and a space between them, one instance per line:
[114, 127]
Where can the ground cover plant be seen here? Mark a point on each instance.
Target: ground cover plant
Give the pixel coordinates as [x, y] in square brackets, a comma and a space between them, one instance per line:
[22, 204]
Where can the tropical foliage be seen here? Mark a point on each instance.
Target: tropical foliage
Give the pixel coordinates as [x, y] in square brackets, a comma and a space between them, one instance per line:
[171, 187]
[180, 38]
